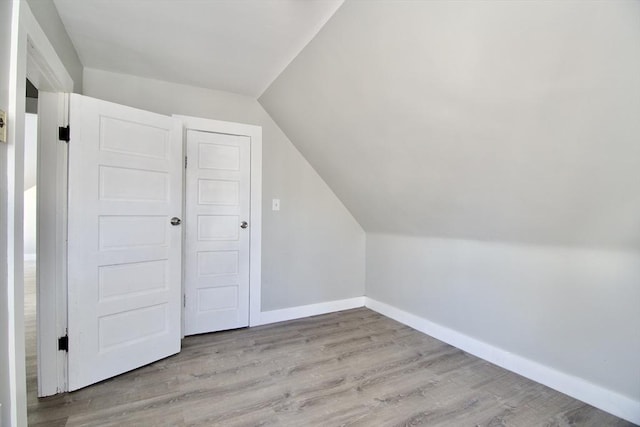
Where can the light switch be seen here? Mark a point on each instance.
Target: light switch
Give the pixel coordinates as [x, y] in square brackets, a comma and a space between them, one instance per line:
[3, 126]
[275, 204]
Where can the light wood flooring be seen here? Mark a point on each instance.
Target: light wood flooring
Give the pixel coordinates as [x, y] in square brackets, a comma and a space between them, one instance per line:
[352, 368]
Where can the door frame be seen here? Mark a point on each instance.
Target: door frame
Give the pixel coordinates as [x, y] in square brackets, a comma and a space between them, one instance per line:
[184, 123]
[51, 247]
[31, 55]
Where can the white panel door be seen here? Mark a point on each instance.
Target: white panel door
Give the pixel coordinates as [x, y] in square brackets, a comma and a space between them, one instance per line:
[217, 232]
[124, 256]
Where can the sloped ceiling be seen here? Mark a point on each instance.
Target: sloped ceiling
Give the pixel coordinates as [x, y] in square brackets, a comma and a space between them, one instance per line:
[511, 121]
[238, 46]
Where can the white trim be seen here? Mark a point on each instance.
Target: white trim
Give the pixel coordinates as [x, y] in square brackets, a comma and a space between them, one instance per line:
[28, 41]
[255, 251]
[29, 257]
[301, 311]
[602, 398]
[44, 68]
[17, 405]
[51, 243]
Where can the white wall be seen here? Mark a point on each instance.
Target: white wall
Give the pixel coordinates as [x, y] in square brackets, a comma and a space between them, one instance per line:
[488, 120]
[467, 123]
[574, 310]
[5, 47]
[313, 249]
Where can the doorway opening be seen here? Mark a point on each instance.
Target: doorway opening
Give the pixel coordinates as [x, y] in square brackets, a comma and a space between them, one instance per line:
[30, 236]
[33, 57]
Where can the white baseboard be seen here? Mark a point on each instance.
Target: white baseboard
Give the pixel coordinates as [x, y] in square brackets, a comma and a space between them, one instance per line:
[602, 398]
[298, 312]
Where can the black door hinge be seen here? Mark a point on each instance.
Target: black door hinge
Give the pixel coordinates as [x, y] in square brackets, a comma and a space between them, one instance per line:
[64, 134]
[63, 343]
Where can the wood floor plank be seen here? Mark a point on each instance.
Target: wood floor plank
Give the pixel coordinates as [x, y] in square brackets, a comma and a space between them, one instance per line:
[352, 368]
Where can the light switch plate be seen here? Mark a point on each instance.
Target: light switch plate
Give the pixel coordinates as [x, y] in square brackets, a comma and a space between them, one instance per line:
[3, 126]
[275, 204]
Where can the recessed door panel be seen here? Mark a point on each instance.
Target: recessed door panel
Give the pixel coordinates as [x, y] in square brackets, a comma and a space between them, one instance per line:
[219, 298]
[121, 280]
[133, 184]
[218, 227]
[218, 192]
[219, 156]
[118, 330]
[216, 263]
[131, 231]
[133, 138]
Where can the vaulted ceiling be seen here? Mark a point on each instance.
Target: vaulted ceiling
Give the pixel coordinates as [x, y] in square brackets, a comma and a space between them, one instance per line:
[234, 45]
[508, 121]
[512, 121]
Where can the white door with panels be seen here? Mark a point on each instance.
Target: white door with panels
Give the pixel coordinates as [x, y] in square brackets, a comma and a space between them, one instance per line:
[217, 231]
[124, 240]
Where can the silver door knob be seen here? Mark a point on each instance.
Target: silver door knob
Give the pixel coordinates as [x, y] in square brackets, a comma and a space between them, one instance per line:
[244, 224]
[175, 221]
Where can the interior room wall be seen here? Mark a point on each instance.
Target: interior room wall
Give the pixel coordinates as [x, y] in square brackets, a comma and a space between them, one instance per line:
[574, 310]
[502, 138]
[486, 120]
[313, 248]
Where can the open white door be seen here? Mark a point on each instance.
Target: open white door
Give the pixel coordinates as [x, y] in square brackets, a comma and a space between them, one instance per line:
[124, 254]
[218, 190]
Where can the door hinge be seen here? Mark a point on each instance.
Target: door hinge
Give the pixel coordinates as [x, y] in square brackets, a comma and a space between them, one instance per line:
[184, 300]
[63, 343]
[185, 162]
[64, 133]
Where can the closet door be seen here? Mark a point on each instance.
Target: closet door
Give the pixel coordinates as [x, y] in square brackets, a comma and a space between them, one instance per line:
[218, 190]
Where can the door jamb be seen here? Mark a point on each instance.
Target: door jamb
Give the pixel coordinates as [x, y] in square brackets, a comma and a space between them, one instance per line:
[51, 248]
[31, 51]
[184, 123]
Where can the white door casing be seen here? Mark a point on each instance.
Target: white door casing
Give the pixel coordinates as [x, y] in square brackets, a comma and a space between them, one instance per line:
[53, 109]
[217, 215]
[29, 46]
[124, 256]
